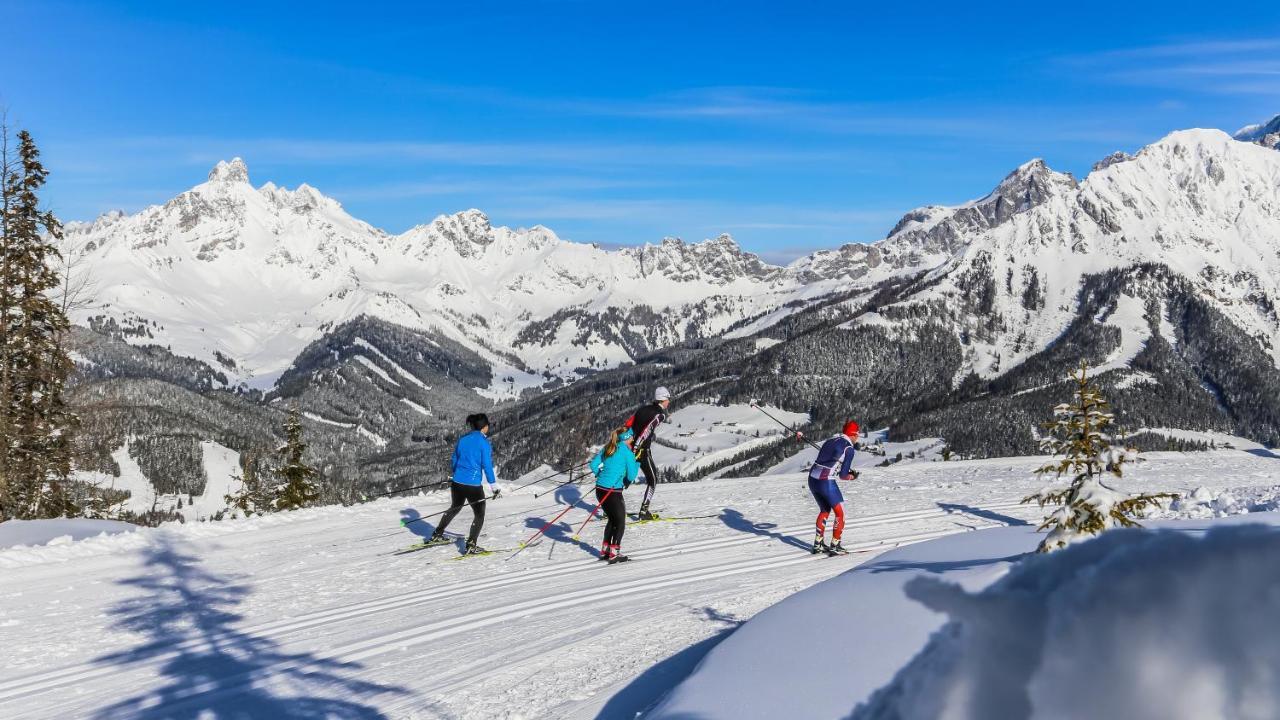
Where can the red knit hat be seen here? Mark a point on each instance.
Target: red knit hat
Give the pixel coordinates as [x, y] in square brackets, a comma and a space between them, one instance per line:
[851, 429]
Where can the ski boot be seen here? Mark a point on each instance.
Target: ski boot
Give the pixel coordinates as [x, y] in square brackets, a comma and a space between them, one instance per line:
[617, 557]
[819, 546]
[837, 549]
[605, 552]
[645, 515]
[474, 549]
[435, 539]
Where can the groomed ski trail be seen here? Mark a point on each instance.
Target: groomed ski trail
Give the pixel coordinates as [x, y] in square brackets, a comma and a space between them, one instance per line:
[548, 633]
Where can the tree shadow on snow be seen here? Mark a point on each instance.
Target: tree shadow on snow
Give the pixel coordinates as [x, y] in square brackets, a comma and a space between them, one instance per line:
[205, 666]
[737, 521]
[984, 514]
[1263, 453]
[647, 689]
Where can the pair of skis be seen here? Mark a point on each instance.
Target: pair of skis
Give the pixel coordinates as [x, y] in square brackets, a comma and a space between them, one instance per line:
[635, 518]
[426, 545]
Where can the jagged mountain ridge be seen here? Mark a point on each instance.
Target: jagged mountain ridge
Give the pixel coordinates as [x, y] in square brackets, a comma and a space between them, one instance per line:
[245, 278]
[956, 302]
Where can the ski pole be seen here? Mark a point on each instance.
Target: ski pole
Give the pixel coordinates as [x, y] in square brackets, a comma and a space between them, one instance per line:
[543, 529]
[570, 481]
[406, 523]
[591, 516]
[785, 426]
[559, 472]
[393, 492]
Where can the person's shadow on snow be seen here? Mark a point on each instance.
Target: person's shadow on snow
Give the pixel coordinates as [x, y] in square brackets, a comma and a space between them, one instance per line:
[735, 520]
[562, 532]
[409, 519]
[206, 664]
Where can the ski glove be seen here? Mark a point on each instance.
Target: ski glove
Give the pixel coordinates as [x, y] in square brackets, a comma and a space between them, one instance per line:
[497, 490]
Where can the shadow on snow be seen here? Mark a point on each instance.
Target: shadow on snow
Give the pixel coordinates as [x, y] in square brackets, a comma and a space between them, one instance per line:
[737, 521]
[642, 693]
[207, 667]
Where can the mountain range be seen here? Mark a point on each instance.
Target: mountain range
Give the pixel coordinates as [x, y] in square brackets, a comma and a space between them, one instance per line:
[229, 303]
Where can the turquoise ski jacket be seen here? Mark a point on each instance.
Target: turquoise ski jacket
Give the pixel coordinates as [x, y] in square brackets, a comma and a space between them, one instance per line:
[619, 469]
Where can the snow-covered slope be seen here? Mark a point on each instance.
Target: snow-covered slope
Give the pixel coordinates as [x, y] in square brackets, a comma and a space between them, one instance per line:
[312, 612]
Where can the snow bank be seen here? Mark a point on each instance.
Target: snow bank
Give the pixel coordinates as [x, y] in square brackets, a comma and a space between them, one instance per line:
[31, 533]
[1133, 624]
[1141, 612]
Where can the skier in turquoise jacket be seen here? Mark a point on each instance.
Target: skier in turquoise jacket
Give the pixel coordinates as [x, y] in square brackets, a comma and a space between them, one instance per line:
[615, 468]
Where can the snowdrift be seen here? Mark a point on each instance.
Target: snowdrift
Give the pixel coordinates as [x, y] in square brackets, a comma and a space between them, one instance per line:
[30, 533]
[1135, 624]
[1174, 621]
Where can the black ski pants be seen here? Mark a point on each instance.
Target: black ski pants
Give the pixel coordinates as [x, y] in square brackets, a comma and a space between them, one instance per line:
[650, 477]
[461, 495]
[615, 512]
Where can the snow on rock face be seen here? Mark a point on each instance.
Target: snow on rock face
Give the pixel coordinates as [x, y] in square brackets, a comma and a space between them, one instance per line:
[1132, 624]
[255, 275]
[227, 271]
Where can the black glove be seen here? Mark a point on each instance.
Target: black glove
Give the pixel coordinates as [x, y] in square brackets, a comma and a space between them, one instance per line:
[626, 484]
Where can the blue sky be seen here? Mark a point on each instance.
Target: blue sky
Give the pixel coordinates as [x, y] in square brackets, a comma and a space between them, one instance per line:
[792, 125]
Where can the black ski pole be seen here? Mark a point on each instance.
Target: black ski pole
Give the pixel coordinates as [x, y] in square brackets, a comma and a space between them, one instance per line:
[558, 472]
[406, 523]
[785, 426]
[393, 492]
[570, 481]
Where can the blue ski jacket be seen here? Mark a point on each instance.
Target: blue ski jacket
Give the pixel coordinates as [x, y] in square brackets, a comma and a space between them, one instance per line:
[473, 460]
[836, 454]
[619, 469]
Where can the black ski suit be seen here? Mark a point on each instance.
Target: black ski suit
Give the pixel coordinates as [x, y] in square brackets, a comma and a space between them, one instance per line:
[644, 423]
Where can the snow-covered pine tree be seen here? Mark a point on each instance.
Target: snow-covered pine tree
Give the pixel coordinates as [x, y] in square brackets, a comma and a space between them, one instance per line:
[297, 488]
[255, 495]
[1083, 449]
[35, 422]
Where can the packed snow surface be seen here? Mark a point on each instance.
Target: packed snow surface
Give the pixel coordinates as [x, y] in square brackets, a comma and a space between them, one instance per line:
[313, 613]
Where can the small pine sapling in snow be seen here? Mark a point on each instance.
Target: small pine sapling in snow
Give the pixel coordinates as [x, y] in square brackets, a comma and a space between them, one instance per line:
[255, 496]
[1082, 448]
[297, 487]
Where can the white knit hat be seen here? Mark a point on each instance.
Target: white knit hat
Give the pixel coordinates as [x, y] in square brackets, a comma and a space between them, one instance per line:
[661, 394]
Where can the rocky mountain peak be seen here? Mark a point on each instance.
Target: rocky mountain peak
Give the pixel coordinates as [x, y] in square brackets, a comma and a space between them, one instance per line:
[233, 171]
[1259, 133]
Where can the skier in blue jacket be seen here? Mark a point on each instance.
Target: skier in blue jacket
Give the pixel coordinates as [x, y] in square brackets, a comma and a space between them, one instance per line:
[835, 461]
[472, 466]
[615, 468]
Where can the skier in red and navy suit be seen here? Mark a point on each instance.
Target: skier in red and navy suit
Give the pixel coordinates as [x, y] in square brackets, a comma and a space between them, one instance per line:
[835, 462]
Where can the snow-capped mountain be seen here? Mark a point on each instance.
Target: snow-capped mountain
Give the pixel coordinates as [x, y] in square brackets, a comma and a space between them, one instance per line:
[1161, 268]
[1266, 134]
[245, 278]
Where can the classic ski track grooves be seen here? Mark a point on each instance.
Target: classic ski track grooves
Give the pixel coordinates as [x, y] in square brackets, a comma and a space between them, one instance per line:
[41, 682]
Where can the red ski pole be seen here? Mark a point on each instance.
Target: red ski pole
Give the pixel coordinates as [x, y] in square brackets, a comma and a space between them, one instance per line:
[593, 513]
[553, 520]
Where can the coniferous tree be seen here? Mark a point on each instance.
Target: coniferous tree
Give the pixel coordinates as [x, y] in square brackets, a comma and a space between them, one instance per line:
[256, 496]
[297, 479]
[35, 421]
[1079, 435]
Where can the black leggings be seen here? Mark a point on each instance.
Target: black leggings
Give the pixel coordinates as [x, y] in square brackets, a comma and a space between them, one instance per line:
[463, 494]
[615, 509]
[650, 477]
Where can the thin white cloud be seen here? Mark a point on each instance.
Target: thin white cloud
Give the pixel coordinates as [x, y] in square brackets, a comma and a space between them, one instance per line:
[1222, 67]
